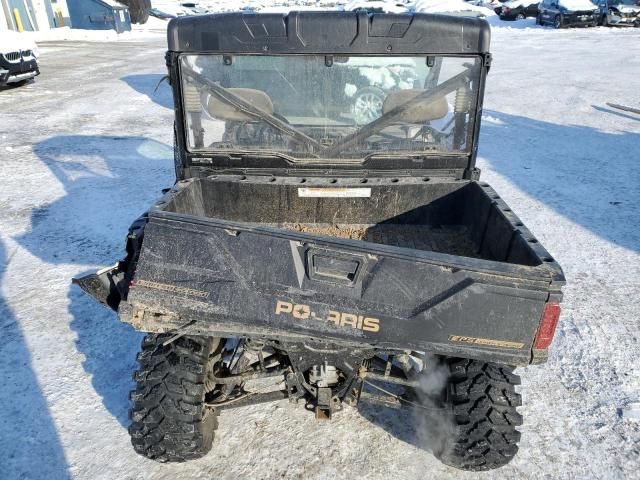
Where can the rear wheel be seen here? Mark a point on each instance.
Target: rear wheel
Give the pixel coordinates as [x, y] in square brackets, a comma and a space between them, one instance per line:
[138, 10]
[481, 401]
[170, 421]
[557, 21]
[520, 16]
[367, 105]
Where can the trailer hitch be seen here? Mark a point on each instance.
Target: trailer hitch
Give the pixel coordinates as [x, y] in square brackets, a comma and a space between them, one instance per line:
[323, 403]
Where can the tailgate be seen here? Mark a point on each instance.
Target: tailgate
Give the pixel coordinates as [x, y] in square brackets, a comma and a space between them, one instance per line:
[229, 278]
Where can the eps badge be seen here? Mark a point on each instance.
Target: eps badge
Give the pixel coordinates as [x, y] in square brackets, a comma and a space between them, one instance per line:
[340, 319]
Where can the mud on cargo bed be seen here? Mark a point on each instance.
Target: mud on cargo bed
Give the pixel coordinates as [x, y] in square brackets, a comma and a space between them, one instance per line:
[440, 215]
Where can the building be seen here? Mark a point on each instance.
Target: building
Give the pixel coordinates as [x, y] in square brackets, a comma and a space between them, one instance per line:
[32, 15]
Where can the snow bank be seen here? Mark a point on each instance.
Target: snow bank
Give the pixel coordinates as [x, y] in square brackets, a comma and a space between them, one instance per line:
[520, 3]
[450, 6]
[179, 8]
[153, 27]
[66, 33]
[526, 24]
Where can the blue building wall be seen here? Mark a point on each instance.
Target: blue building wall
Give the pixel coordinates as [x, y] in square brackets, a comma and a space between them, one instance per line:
[99, 15]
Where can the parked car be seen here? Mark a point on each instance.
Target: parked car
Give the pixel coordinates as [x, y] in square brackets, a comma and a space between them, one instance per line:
[496, 5]
[18, 58]
[518, 9]
[568, 13]
[619, 12]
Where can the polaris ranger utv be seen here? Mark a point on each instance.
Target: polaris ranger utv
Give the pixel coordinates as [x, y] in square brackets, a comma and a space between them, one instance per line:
[326, 249]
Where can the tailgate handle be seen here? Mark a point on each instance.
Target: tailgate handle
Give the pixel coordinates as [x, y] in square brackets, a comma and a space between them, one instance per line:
[336, 268]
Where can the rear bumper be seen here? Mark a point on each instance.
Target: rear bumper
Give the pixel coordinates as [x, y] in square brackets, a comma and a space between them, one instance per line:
[206, 273]
[405, 302]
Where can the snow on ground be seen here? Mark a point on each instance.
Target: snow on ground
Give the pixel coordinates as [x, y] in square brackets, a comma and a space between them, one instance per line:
[453, 6]
[155, 27]
[87, 147]
[176, 8]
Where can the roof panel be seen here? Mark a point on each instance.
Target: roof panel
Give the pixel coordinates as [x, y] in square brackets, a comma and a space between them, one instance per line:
[329, 32]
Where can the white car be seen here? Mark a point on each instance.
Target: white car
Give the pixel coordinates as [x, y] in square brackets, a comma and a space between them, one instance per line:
[18, 58]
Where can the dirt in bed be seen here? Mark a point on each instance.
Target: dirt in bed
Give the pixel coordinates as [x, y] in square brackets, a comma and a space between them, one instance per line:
[340, 231]
[451, 239]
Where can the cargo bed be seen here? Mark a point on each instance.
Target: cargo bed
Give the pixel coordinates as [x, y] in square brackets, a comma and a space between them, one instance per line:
[452, 217]
[432, 264]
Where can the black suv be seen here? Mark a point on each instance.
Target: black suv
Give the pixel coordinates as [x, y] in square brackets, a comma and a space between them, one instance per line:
[619, 12]
[567, 13]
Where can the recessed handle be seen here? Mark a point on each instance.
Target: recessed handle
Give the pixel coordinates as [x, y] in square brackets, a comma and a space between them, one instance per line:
[334, 267]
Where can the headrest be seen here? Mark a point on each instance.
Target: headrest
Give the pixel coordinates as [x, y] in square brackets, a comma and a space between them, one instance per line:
[218, 108]
[420, 111]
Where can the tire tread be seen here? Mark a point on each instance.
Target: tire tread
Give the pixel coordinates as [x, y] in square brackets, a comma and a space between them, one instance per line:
[169, 421]
[482, 400]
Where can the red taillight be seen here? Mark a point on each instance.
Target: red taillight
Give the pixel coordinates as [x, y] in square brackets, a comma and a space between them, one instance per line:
[548, 324]
[506, 9]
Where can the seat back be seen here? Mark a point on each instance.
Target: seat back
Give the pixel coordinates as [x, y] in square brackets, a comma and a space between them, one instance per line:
[221, 110]
[420, 111]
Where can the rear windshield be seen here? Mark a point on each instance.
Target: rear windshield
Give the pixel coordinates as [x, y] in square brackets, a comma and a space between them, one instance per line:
[329, 107]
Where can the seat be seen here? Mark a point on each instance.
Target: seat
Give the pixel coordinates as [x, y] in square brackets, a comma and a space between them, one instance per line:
[421, 111]
[221, 110]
